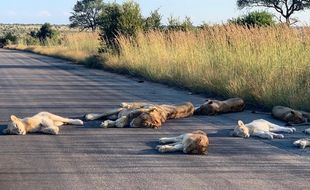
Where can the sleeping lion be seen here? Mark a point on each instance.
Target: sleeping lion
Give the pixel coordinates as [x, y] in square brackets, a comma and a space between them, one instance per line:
[142, 115]
[290, 115]
[215, 107]
[260, 128]
[43, 122]
[196, 142]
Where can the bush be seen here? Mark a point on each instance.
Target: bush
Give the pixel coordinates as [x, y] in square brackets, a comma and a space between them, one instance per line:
[46, 33]
[8, 39]
[125, 19]
[256, 18]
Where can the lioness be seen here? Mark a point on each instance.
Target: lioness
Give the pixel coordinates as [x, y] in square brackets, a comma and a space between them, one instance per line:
[302, 143]
[142, 115]
[260, 128]
[43, 122]
[215, 107]
[196, 142]
[290, 115]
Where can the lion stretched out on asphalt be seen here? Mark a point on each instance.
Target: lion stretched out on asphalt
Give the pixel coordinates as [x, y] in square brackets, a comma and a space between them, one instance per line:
[290, 115]
[142, 115]
[43, 122]
[260, 128]
[215, 107]
[196, 142]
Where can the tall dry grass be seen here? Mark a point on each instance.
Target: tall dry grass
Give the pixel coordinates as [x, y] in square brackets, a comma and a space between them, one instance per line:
[269, 66]
[74, 46]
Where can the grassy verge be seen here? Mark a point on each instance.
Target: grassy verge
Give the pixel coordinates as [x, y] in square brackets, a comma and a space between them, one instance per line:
[269, 66]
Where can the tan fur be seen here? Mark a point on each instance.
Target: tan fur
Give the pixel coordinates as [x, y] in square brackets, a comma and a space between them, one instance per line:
[260, 128]
[215, 107]
[144, 115]
[196, 142]
[302, 143]
[43, 122]
[290, 115]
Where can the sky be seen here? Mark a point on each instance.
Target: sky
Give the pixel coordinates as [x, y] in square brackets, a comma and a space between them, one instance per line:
[58, 11]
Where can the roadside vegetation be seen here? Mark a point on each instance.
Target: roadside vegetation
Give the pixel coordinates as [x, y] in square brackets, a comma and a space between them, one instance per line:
[253, 56]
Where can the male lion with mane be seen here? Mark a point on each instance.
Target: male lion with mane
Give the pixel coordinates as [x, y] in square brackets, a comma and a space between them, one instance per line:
[43, 122]
[196, 142]
[139, 114]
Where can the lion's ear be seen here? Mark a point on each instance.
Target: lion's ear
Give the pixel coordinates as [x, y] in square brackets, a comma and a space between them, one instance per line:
[240, 123]
[14, 118]
[210, 102]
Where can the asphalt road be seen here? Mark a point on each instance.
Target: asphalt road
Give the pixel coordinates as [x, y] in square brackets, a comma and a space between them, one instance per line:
[94, 158]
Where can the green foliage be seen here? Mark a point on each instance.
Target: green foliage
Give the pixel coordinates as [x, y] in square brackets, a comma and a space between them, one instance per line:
[153, 22]
[8, 39]
[285, 8]
[86, 14]
[125, 19]
[45, 33]
[255, 18]
[175, 24]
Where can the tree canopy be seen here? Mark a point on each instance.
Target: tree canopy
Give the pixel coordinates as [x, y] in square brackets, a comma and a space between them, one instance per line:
[86, 14]
[286, 8]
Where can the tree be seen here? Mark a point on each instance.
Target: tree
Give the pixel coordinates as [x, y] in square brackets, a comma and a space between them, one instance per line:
[153, 22]
[46, 32]
[86, 14]
[109, 24]
[286, 8]
[255, 18]
[125, 19]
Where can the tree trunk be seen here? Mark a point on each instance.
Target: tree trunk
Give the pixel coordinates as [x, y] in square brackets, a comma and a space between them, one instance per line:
[288, 21]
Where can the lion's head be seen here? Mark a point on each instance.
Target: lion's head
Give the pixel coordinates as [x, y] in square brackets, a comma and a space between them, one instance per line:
[151, 119]
[241, 130]
[15, 127]
[295, 117]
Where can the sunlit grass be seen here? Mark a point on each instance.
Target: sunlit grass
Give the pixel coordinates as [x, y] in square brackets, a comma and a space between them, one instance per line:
[269, 66]
[74, 46]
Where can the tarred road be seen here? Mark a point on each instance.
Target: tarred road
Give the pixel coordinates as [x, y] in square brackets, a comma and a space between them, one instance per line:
[94, 158]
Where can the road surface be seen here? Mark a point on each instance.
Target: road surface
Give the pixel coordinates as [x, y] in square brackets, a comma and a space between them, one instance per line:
[94, 158]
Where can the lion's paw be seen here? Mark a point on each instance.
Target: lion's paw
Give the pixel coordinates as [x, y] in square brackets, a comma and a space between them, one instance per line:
[307, 131]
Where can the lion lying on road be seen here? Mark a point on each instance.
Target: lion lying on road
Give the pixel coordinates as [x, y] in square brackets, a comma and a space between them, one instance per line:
[215, 107]
[196, 142]
[142, 115]
[260, 128]
[289, 115]
[302, 143]
[43, 122]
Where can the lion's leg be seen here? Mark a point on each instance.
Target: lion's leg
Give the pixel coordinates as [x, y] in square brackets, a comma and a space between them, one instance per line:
[277, 136]
[108, 124]
[170, 147]
[302, 143]
[58, 120]
[121, 122]
[307, 131]
[277, 128]
[50, 130]
[134, 105]
[171, 139]
[262, 134]
[48, 127]
[93, 116]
